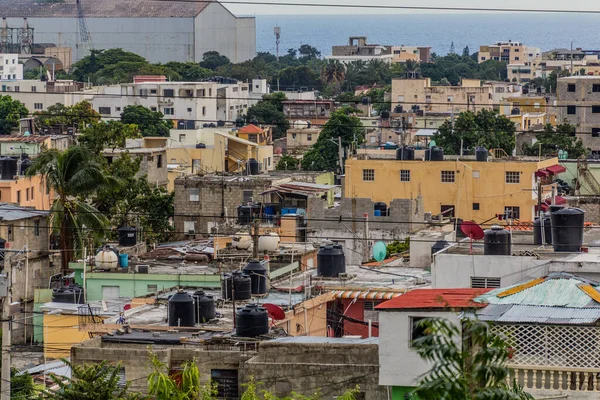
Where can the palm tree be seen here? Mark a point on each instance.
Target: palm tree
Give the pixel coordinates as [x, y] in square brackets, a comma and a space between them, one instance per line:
[333, 72]
[468, 363]
[73, 175]
[354, 75]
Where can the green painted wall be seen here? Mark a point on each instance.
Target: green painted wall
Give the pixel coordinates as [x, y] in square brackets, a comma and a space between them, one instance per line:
[16, 149]
[572, 173]
[40, 296]
[135, 285]
[327, 178]
[403, 393]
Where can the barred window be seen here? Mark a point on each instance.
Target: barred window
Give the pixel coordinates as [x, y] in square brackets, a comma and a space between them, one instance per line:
[513, 177]
[368, 175]
[405, 175]
[448, 176]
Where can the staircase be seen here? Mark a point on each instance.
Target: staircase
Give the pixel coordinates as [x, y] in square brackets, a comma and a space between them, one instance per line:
[585, 174]
[237, 161]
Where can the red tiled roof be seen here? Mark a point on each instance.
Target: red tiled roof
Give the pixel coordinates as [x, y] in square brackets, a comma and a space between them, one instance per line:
[250, 129]
[435, 298]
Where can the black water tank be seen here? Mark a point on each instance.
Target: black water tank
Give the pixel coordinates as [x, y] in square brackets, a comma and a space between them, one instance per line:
[439, 245]
[251, 321]
[496, 242]
[331, 261]
[252, 167]
[244, 214]
[537, 230]
[70, 294]
[567, 229]
[381, 207]
[437, 154]
[127, 236]
[405, 153]
[481, 154]
[258, 277]
[385, 114]
[25, 164]
[8, 168]
[427, 154]
[242, 286]
[181, 309]
[205, 307]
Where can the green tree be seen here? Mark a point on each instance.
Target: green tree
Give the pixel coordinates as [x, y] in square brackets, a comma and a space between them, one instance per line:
[333, 72]
[552, 139]
[484, 128]
[150, 123]
[111, 134]
[189, 71]
[79, 115]
[213, 60]
[11, 111]
[99, 60]
[163, 386]
[287, 163]
[307, 51]
[296, 77]
[21, 385]
[91, 382]
[324, 155]
[466, 52]
[268, 112]
[73, 175]
[468, 362]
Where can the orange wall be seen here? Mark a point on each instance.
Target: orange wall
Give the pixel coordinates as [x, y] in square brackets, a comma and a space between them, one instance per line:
[307, 317]
[40, 200]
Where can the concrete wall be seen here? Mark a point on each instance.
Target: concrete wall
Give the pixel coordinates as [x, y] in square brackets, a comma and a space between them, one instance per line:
[583, 98]
[325, 223]
[400, 365]
[456, 270]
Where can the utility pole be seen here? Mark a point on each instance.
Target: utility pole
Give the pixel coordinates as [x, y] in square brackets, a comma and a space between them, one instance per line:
[255, 239]
[539, 190]
[341, 154]
[572, 58]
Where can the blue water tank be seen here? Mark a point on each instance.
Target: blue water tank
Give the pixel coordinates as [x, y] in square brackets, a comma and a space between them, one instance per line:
[124, 260]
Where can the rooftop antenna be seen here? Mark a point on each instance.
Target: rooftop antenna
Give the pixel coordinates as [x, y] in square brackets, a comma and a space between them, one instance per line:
[472, 231]
[277, 31]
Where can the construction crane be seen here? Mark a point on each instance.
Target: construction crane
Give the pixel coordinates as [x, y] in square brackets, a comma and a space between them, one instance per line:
[84, 34]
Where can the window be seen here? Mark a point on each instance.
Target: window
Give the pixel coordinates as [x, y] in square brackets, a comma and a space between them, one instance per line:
[10, 231]
[32, 193]
[34, 89]
[36, 227]
[516, 58]
[417, 331]
[189, 227]
[595, 109]
[152, 91]
[189, 109]
[309, 137]
[369, 175]
[571, 87]
[17, 89]
[536, 105]
[447, 210]
[235, 89]
[153, 108]
[27, 194]
[38, 106]
[247, 196]
[182, 137]
[227, 383]
[152, 288]
[512, 177]
[194, 194]
[370, 313]
[595, 132]
[104, 110]
[168, 92]
[512, 212]
[204, 111]
[475, 174]
[159, 161]
[209, 92]
[571, 110]
[596, 88]
[482, 282]
[19, 196]
[144, 92]
[482, 58]
[447, 176]
[117, 108]
[400, 99]
[201, 92]
[475, 206]
[404, 175]
[169, 111]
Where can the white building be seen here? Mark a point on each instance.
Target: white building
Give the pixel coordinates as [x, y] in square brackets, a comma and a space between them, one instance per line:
[10, 67]
[38, 95]
[158, 31]
[191, 104]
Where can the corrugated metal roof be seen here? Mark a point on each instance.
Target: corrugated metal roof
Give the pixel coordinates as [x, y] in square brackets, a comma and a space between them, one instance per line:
[325, 340]
[435, 298]
[536, 314]
[12, 212]
[365, 294]
[101, 9]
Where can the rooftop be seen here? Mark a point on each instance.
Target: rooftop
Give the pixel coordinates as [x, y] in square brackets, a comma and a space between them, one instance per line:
[12, 212]
[250, 129]
[435, 299]
[100, 9]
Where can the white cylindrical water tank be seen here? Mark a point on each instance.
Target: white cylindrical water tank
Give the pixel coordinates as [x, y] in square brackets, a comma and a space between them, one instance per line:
[268, 242]
[107, 259]
[242, 241]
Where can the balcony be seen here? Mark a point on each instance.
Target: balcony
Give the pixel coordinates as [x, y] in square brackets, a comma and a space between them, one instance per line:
[559, 379]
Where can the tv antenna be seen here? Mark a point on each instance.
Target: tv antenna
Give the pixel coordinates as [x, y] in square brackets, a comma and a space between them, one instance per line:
[472, 231]
[277, 31]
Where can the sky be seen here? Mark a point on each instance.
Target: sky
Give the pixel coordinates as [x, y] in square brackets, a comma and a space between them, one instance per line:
[254, 9]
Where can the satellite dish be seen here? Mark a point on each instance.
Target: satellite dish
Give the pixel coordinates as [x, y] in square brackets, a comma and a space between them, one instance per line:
[379, 251]
[472, 231]
[276, 313]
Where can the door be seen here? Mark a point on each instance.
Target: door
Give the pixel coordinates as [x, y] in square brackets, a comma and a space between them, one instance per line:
[110, 292]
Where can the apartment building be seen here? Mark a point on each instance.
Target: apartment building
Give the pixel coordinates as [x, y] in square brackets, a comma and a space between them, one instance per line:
[358, 49]
[419, 94]
[578, 102]
[467, 189]
[10, 67]
[38, 95]
[193, 103]
[509, 52]
[410, 53]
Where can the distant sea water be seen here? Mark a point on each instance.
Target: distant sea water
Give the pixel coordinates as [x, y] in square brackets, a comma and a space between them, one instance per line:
[547, 31]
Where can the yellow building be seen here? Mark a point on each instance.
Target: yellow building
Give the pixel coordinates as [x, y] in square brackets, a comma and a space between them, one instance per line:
[465, 189]
[27, 192]
[254, 134]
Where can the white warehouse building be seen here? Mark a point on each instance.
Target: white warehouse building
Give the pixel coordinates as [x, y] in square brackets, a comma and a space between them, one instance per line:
[159, 31]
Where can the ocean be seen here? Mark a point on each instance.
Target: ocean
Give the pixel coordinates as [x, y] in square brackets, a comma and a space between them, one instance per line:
[547, 31]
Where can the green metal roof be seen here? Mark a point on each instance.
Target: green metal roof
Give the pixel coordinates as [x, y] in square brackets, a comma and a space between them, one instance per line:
[558, 290]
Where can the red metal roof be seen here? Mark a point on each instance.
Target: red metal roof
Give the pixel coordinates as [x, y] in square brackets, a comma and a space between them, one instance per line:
[556, 169]
[250, 129]
[558, 200]
[435, 298]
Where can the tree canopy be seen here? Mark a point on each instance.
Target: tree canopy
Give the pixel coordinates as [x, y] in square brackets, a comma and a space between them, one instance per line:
[552, 139]
[269, 111]
[213, 60]
[79, 115]
[11, 111]
[150, 123]
[483, 128]
[111, 134]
